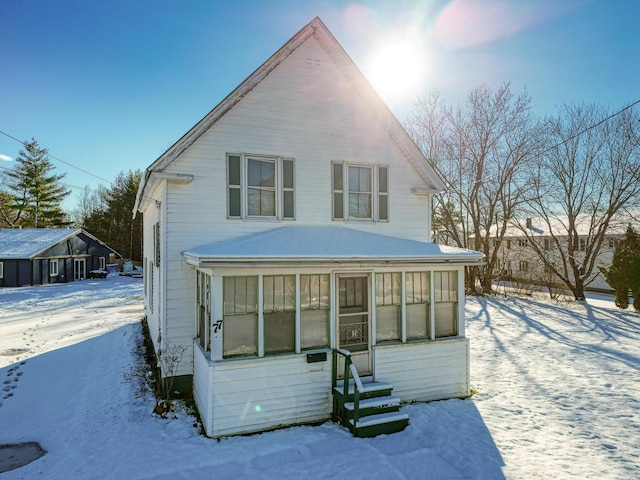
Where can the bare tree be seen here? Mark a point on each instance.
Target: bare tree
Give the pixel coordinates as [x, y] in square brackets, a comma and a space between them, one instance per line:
[480, 152]
[88, 202]
[586, 177]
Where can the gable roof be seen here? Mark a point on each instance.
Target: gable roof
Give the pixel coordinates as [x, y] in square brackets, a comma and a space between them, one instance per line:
[325, 244]
[27, 243]
[362, 86]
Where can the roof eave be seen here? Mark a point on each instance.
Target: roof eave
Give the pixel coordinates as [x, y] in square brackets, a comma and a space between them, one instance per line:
[204, 261]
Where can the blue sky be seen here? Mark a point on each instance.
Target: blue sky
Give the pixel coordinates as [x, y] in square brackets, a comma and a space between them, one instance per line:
[108, 86]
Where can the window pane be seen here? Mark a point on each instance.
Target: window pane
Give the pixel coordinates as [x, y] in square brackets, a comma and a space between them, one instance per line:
[261, 202]
[408, 288]
[437, 286]
[261, 173]
[288, 210]
[229, 295]
[279, 293]
[360, 205]
[267, 296]
[338, 205]
[396, 280]
[337, 177]
[324, 292]
[305, 294]
[360, 179]
[279, 331]
[382, 180]
[383, 214]
[388, 323]
[240, 335]
[234, 202]
[234, 169]
[446, 319]
[287, 173]
[314, 325]
[418, 320]
[424, 286]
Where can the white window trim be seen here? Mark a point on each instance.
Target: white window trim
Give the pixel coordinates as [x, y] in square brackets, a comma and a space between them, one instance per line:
[375, 192]
[244, 186]
[53, 265]
[102, 262]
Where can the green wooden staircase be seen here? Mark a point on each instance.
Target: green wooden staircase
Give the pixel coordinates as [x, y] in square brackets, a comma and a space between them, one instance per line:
[366, 409]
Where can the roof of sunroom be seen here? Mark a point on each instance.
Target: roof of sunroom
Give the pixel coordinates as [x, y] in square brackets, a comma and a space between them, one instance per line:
[326, 244]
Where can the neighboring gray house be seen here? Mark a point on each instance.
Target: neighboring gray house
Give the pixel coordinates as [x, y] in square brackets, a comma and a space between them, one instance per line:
[519, 261]
[288, 232]
[38, 256]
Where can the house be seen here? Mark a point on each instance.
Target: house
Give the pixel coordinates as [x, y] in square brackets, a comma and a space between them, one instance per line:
[519, 260]
[39, 256]
[287, 244]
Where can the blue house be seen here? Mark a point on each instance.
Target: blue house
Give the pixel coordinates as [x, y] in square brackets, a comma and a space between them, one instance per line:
[40, 256]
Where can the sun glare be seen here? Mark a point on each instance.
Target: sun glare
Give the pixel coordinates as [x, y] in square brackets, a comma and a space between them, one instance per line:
[396, 69]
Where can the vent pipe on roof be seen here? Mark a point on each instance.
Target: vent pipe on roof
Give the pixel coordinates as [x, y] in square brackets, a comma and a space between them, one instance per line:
[528, 223]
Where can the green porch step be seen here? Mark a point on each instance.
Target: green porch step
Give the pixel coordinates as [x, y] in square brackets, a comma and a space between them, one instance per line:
[369, 390]
[378, 411]
[383, 423]
[373, 406]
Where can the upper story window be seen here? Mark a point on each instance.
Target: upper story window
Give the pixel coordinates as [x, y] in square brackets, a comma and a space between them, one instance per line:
[260, 187]
[359, 191]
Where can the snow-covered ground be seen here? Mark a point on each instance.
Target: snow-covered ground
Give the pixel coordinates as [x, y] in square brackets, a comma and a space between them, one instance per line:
[558, 397]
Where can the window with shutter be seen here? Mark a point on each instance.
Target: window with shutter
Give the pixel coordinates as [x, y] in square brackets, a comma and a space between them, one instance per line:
[360, 192]
[260, 187]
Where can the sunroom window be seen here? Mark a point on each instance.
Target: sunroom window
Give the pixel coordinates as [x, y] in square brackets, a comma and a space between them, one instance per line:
[260, 187]
[417, 304]
[388, 306]
[240, 332]
[445, 286]
[279, 313]
[314, 311]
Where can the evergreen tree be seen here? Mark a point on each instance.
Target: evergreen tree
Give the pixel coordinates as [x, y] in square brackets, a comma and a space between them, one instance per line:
[624, 273]
[34, 194]
[111, 216]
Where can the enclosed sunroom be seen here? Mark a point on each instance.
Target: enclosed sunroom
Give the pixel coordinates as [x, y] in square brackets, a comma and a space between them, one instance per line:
[272, 307]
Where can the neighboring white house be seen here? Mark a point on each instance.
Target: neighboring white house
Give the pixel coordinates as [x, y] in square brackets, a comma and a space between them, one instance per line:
[518, 260]
[293, 221]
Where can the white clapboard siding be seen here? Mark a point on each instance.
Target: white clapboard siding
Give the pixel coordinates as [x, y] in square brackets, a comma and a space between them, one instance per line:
[202, 386]
[305, 109]
[256, 394]
[425, 371]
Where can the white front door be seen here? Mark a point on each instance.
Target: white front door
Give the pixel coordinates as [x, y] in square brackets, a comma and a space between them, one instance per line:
[79, 269]
[353, 326]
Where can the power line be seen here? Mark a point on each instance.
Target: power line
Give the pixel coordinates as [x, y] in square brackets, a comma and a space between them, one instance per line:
[24, 144]
[591, 127]
[75, 187]
[582, 132]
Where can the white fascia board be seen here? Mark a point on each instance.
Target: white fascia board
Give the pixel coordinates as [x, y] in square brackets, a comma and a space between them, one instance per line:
[368, 262]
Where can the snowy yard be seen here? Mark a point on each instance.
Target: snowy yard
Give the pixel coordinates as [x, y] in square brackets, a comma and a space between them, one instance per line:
[558, 397]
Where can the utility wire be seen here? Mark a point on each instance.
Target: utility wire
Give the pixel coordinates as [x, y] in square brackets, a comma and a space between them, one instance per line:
[582, 132]
[75, 187]
[24, 144]
[591, 127]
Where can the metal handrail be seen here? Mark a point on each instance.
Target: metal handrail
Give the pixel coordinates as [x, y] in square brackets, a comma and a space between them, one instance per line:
[349, 369]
